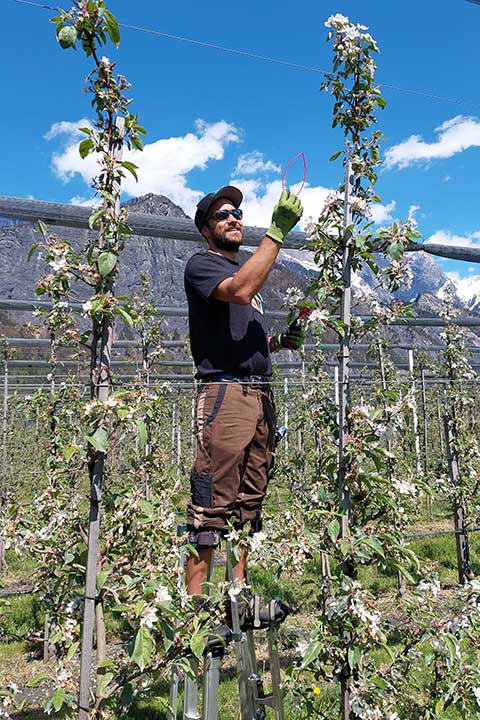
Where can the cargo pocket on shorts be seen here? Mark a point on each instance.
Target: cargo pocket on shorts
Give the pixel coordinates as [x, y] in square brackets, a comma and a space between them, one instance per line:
[201, 489]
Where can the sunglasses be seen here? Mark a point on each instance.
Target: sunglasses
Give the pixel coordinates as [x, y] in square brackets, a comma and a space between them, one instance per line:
[223, 214]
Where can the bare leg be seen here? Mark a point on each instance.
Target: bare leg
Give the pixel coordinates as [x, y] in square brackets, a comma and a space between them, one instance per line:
[196, 571]
[240, 569]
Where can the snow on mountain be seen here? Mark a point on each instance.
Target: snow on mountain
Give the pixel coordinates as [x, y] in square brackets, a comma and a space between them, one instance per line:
[467, 289]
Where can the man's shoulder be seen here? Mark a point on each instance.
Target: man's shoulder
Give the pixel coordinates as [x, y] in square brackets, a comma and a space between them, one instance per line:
[206, 261]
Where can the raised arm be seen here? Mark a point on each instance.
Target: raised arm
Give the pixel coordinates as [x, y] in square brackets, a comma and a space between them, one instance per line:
[242, 287]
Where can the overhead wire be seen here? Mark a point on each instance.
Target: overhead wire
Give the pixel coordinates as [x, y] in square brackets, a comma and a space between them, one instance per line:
[267, 58]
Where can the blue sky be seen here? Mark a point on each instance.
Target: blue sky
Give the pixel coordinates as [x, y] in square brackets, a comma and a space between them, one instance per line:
[213, 117]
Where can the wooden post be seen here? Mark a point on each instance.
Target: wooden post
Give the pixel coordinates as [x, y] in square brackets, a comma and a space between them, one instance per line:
[336, 392]
[3, 490]
[344, 403]
[425, 441]
[146, 419]
[401, 582]
[461, 538]
[440, 426]
[416, 436]
[285, 412]
[100, 384]
[173, 438]
[301, 433]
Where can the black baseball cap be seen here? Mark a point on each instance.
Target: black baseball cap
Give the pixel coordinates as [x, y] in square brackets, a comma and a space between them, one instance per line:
[203, 208]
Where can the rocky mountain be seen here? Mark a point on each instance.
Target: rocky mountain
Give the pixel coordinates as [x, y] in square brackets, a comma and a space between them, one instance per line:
[163, 261]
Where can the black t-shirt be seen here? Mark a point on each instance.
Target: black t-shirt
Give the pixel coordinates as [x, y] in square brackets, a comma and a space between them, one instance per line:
[224, 337]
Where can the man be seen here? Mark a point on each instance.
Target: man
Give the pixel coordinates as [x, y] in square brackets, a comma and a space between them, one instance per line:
[230, 347]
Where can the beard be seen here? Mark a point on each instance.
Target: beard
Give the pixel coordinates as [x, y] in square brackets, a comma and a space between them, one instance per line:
[222, 242]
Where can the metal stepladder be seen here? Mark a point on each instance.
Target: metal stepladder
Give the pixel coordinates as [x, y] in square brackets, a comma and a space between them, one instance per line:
[253, 698]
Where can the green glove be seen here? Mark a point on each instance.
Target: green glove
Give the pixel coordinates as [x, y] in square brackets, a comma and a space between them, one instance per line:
[291, 339]
[286, 214]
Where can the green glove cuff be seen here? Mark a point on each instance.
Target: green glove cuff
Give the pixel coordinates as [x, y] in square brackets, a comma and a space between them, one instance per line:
[274, 233]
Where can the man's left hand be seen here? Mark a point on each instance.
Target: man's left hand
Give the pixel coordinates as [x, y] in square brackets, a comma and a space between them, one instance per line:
[292, 338]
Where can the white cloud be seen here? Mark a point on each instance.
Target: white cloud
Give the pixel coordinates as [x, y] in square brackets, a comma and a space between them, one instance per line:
[85, 202]
[382, 213]
[163, 164]
[453, 136]
[445, 237]
[253, 163]
[65, 127]
[260, 199]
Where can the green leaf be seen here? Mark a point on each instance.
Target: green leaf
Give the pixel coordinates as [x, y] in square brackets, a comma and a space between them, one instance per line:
[99, 439]
[38, 679]
[106, 663]
[106, 263]
[333, 530]
[125, 315]
[72, 650]
[101, 579]
[57, 698]
[42, 229]
[103, 682]
[312, 653]
[136, 142]
[336, 155]
[375, 545]
[354, 654]
[94, 217]
[143, 648]
[146, 507]
[126, 697]
[112, 28]
[197, 645]
[32, 249]
[67, 37]
[142, 433]
[395, 250]
[131, 167]
[85, 147]
[439, 707]
[69, 452]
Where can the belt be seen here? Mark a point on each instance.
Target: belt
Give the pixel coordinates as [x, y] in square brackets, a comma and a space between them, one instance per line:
[253, 380]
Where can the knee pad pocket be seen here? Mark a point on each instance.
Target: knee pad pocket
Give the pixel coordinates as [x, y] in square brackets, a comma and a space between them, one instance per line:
[204, 538]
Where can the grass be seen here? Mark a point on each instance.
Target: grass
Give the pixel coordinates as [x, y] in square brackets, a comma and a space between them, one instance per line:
[22, 615]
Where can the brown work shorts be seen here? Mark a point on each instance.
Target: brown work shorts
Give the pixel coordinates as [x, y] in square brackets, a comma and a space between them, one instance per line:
[235, 443]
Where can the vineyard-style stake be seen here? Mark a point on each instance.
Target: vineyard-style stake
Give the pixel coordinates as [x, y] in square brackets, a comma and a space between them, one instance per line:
[416, 436]
[461, 538]
[425, 440]
[4, 493]
[100, 384]
[344, 397]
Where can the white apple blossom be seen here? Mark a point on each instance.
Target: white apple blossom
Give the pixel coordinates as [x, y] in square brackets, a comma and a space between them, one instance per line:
[302, 647]
[58, 264]
[149, 617]
[257, 540]
[293, 295]
[162, 597]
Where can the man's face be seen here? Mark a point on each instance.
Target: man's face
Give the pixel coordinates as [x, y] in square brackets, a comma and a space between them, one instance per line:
[224, 234]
